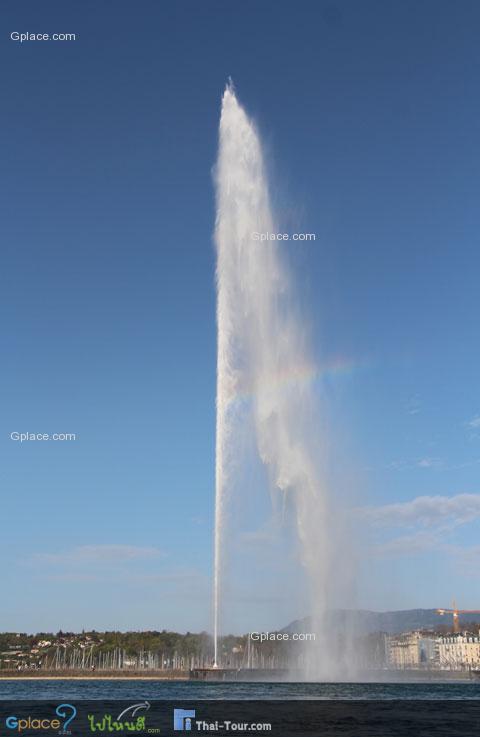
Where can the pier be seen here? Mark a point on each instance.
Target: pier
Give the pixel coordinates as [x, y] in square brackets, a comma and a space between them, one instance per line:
[240, 674]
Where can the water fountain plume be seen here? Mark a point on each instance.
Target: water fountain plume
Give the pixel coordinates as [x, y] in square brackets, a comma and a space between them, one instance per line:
[261, 335]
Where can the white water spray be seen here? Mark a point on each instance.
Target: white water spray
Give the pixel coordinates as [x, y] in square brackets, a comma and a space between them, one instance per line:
[260, 336]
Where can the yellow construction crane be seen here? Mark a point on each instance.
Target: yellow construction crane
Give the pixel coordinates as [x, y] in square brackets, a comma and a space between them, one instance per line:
[455, 613]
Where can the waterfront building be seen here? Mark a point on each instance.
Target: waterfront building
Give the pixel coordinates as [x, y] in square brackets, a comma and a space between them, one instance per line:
[404, 650]
[460, 651]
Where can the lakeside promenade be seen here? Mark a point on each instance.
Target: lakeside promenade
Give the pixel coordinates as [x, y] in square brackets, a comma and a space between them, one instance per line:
[252, 675]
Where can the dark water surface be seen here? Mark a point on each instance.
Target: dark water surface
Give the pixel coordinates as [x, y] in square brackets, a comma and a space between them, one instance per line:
[171, 690]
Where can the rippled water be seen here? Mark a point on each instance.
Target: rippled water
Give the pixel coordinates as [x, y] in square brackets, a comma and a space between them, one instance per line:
[138, 689]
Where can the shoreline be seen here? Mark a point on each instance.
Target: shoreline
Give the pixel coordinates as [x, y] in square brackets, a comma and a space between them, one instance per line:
[397, 677]
[93, 676]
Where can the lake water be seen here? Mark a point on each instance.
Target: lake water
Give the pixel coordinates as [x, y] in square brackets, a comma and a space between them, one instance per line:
[171, 690]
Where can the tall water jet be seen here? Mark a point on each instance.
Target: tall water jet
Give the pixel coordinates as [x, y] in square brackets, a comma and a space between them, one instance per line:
[261, 336]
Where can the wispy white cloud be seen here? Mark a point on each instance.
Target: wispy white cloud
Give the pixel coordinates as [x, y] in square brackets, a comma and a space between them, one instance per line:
[427, 511]
[423, 524]
[429, 462]
[465, 464]
[397, 465]
[96, 554]
[413, 406]
[474, 423]
[470, 554]
[424, 462]
[179, 584]
[418, 542]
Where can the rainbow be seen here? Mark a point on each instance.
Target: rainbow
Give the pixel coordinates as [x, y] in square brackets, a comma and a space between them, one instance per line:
[297, 377]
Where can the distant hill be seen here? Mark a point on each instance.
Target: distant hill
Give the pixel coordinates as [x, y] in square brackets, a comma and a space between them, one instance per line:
[366, 622]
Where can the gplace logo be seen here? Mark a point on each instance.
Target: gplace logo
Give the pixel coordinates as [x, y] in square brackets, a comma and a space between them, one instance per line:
[66, 712]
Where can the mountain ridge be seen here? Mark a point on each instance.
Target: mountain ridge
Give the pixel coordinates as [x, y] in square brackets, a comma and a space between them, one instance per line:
[365, 621]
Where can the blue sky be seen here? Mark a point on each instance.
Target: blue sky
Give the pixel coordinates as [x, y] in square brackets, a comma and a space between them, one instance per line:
[369, 112]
